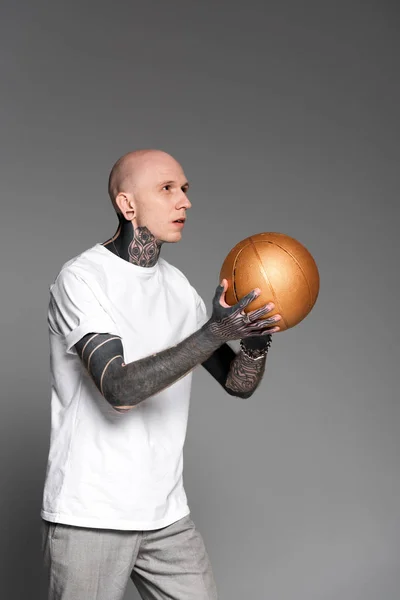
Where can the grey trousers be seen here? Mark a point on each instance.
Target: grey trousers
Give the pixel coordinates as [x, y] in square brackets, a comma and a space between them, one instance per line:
[96, 564]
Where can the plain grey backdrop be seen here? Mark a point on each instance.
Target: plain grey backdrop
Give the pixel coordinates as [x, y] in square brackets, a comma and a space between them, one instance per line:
[285, 116]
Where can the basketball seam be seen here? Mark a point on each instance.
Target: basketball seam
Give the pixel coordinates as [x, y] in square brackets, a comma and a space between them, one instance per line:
[268, 280]
[233, 273]
[302, 272]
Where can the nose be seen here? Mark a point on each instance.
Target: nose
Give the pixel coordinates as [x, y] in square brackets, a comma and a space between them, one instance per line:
[183, 201]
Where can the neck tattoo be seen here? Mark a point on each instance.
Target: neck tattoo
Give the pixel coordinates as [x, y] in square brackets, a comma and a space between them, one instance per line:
[144, 249]
[136, 245]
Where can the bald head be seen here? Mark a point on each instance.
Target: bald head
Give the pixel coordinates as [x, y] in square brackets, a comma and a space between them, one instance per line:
[130, 170]
[149, 189]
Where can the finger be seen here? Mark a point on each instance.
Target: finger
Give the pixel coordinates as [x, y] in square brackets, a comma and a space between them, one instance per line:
[267, 330]
[258, 333]
[246, 319]
[273, 330]
[260, 312]
[222, 301]
[219, 291]
[261, 327]
[261, 323]
[246, 300]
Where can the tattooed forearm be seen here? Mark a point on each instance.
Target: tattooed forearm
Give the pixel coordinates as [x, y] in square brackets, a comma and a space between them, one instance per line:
[126, 385]
[244, 375]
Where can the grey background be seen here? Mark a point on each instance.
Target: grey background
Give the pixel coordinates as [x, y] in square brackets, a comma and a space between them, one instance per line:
[285, 118]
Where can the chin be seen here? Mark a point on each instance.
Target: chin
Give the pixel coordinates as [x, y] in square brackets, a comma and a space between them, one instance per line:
[172, 238]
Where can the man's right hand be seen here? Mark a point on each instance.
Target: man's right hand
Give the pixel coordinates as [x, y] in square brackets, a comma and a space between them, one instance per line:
[228, 323]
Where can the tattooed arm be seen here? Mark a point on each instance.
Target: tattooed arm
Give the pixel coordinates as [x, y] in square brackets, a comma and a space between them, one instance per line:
[238, 374]
[126, 385]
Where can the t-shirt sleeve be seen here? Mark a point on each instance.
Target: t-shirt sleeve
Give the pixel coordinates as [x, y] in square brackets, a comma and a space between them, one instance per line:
[201, 310]
[75, 311]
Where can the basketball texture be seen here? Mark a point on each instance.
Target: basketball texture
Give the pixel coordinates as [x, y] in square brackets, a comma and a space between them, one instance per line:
[281, 267]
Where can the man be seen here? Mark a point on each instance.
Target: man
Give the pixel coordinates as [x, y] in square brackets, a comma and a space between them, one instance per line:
[126, 330]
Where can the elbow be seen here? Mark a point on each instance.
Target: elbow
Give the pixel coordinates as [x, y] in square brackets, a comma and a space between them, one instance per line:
[121, 409]
[122, 391]
[244, 395]
[120, 405]
[120, 402]
[240, 393]
[116, 396]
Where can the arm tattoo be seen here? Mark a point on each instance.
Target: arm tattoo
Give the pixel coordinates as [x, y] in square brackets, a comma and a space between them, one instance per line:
[238, 374]
[97, 351]
[244, 375]
[126, 385]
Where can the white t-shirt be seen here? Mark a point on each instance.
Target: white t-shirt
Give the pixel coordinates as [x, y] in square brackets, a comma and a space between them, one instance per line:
[107, 469]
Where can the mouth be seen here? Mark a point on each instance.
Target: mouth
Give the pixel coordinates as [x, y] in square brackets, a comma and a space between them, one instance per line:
[179, 222]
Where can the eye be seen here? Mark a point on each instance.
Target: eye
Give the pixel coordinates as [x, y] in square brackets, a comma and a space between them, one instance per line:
[167, 187]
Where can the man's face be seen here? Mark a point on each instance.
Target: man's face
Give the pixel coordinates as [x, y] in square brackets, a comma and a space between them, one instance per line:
[160, 197]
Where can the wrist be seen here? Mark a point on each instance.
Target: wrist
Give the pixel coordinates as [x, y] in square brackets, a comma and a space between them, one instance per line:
[256, 347]
[210, 332]
[257, 342]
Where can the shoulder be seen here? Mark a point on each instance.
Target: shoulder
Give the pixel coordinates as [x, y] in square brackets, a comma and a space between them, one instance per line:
[78, 271]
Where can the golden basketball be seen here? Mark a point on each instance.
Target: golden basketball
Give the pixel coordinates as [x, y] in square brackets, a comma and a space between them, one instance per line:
[281, 267]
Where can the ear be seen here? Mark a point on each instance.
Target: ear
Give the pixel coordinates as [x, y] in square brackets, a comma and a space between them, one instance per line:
[126, 205]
